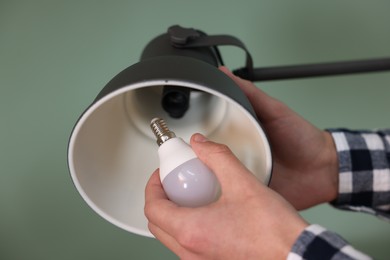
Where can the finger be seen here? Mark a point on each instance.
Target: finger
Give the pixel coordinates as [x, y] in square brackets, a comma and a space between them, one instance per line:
[166, 239]
[220, 159]
[154, 190]
[159, 210]
[267, 108]
[247, 86]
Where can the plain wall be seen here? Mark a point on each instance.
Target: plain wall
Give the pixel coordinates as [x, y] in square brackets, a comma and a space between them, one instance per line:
[55, 56]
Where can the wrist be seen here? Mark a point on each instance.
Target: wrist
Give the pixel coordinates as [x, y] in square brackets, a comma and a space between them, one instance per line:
[331, 167]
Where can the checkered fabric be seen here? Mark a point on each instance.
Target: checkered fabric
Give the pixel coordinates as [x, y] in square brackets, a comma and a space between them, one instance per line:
[364, 171]
[317, 243]
[364, 185]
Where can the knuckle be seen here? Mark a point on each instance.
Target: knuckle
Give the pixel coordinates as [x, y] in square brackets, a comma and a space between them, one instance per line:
[192, 240]
[221, 149]
[148, 210]
[151, 227]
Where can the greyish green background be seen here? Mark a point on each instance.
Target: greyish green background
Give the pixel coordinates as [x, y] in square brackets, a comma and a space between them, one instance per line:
[55, 56]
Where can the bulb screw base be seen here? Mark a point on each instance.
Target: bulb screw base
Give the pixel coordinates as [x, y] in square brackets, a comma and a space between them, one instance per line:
[161, 130]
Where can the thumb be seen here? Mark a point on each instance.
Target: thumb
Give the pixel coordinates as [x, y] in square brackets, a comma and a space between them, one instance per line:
[222, 162]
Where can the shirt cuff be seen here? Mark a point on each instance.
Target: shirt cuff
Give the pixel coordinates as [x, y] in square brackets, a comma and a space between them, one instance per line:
[316, 242]
[364, 175]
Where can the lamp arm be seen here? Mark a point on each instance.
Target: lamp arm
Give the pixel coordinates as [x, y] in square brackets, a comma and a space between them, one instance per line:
[314, 70]
[188, 38]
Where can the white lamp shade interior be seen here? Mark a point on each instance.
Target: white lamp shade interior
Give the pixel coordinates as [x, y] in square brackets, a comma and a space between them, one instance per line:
[112, 151]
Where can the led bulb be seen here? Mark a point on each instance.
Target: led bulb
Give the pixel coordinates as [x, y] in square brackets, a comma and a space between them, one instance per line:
[186, 180]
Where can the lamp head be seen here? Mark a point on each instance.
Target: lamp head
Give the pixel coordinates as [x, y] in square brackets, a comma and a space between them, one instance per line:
[112, 152]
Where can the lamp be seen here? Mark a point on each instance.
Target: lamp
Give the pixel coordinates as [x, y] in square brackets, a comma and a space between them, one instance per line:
[111, 150]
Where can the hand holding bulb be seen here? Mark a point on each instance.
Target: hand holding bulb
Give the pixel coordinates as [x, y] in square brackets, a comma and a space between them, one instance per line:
[247, 221]
[186, 180]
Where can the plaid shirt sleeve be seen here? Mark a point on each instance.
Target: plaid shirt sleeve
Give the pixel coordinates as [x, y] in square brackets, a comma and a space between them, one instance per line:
[364, 185]
[317, 243]
[364, 171]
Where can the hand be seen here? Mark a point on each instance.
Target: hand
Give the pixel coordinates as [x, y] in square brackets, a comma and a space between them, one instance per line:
[305, 170]
[248, 221]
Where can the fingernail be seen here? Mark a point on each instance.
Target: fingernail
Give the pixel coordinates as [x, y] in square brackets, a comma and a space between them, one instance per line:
[200, 138]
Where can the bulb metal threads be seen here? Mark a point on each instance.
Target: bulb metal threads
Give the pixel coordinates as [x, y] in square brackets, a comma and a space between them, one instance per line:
[161, 131]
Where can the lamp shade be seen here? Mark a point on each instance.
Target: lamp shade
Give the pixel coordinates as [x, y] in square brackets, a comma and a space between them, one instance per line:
[112, 151]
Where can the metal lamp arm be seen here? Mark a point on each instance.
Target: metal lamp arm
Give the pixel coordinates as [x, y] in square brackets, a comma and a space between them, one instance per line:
[314, 70]
[188, 38]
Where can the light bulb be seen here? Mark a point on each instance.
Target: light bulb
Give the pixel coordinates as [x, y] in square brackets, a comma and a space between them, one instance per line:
[186, 180]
